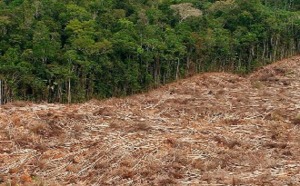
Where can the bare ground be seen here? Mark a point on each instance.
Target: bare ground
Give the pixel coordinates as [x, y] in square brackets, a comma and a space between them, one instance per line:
[211, 129]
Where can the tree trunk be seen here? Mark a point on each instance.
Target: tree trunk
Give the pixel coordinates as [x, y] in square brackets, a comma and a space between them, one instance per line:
[177, 69]
[0, 92]
[69, 91]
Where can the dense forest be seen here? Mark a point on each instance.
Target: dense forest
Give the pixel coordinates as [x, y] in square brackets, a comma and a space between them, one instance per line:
[75, 50]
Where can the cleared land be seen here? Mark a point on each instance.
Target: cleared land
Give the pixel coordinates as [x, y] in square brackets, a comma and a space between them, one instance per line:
[211, 129]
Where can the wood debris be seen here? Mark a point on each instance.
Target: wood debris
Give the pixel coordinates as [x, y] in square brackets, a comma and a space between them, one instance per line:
[211, 129]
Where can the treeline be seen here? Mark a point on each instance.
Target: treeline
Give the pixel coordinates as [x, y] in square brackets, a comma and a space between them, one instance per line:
[75, 50]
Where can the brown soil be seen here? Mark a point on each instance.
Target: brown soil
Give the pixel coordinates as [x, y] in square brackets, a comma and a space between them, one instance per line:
[211, 129]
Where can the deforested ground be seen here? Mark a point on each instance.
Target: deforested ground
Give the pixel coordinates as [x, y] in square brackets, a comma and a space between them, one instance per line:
[210, 129]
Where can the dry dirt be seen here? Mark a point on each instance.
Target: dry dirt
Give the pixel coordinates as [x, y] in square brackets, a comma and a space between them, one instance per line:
[211, 129]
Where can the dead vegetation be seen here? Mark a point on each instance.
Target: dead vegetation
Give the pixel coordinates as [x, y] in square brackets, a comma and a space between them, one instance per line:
[211, 129]
[186, 10]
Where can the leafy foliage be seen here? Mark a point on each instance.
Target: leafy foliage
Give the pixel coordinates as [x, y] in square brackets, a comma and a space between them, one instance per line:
[57, 50]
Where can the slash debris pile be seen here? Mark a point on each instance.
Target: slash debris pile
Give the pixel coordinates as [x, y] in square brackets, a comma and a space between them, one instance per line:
[211, 129]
